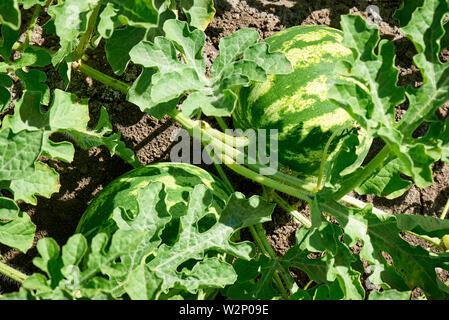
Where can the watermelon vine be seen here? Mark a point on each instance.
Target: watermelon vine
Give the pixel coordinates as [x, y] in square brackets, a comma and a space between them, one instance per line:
[172, 230]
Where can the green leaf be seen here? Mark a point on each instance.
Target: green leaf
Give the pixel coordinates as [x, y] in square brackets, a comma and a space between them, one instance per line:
[70, 115]
[44, 181]
[199, 12]
[8, 209]
[34, 80]
[193, 244]
[232, 47]
[370, 92]
[18, 233]
[390, 295]
[143, 284]
[20, 151]
[119, 45]
[29, 3]
[380, 233]
[158, 91]
[10, 36]
[5, 95]
[78, 271]
[338, 259]
[151, 220]
[386, 181]
[423, 225]
[247, 287]
[138, 13]
[31, 57]
[106, 24]
[10, 14]
[70, 20]
[272, 63]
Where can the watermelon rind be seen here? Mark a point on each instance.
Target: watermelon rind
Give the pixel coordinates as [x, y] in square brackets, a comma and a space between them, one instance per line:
[178, 179]
[296, 104]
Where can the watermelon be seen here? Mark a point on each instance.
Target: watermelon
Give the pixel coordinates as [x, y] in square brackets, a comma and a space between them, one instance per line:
[178, 178]
[296, 104]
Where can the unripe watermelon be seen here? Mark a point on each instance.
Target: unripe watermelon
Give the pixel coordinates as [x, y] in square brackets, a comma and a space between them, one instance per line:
[178, 178]
[296, 104]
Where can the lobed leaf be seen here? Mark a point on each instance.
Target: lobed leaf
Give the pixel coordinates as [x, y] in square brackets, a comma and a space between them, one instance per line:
[199, 12]
[10, 14]
[158, 91]
[70, 20]
[192, 244]
[369, 92]
[412, 265]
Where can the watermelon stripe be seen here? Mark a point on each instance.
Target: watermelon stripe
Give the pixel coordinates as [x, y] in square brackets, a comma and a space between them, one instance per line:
[296, 104]
[178, 178]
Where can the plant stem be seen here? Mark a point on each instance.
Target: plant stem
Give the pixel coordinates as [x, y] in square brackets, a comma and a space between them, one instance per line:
[12, 273]
[223, 176]
[103, 78]
[289, 185]
[36, 12]
[265, 250]
[445, 210]
[82, 45]
[292, 191]
[360, 204]
[325, 156]
[434, 241]
[287, 207]
[221, 123]
[356, 180]
[308, 285]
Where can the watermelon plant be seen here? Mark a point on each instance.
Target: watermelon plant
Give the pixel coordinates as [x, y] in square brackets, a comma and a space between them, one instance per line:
[172, 230]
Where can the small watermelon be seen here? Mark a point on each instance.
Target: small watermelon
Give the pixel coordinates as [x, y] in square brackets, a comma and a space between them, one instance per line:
[296, 104]
[178, 178]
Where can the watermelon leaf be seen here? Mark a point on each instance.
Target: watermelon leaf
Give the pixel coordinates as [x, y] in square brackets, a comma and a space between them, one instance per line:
[199, 12]
[10, 14]
[371, 94]
[175, 79]
[16, 228]
[25, 136]
[381, 233]
[70, 20]
[109, 269]
[193, 244]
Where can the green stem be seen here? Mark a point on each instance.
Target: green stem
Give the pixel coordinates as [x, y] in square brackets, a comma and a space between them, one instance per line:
[287, 207]
[292, 191]
[103, 78]
[306, 186]
[358, 179]
[308, 285]
[12, 273]
[436, 242]
[326, 155]
[36, 12]
[260, 243]
[360, 204]
[445, 210]
[283, 182]
[84, 42]
[221, 123]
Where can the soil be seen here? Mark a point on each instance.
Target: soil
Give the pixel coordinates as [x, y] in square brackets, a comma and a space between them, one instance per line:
[150, 138]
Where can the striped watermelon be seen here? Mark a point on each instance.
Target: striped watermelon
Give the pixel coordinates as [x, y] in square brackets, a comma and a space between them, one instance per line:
[178, 179]
[296, 104]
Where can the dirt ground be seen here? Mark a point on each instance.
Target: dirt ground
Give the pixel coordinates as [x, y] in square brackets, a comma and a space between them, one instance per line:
[92, 170]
